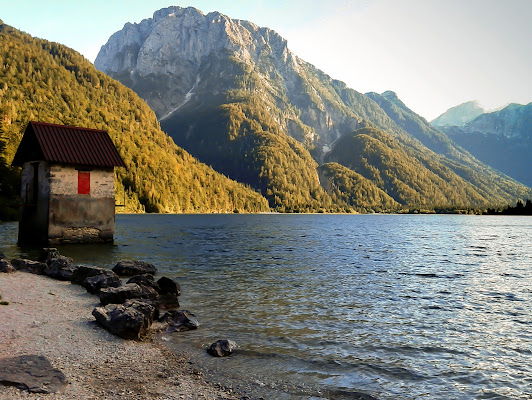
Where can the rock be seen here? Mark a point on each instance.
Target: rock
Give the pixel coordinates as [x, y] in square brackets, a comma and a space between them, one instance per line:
[145, 280]
[118, 295]
[148, 293]
[2, 256]
[134, 267]
[106, 279]
[49, 254]
[130, 320]
[5, 266]
[221, 348]
[168, 285]
[82, 272]
[177, 321]
[60, 268]
[32, 373]
[30, 266]
[168, 301]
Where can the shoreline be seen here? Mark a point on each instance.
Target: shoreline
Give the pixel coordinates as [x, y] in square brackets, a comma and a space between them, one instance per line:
[53, 319]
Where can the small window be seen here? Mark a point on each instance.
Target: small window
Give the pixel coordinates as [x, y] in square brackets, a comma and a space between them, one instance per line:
[84, 182]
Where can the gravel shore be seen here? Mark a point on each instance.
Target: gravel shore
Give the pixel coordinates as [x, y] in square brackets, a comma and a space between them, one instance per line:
[53, 319]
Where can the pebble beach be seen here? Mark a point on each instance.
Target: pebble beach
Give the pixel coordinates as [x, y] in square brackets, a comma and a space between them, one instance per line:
[53, 319]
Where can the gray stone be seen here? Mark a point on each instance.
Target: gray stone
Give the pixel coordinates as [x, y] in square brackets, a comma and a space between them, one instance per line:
[221, 348]
[118, 295]
[60, 268]
[168, 301]
[49, 254]
[131, 320]
[94, 284]
[30, 266]
[32, 373]
[134, 267]
[168, 286]
[82, 272]
[5, 266]
[145, 280]
[177, 321]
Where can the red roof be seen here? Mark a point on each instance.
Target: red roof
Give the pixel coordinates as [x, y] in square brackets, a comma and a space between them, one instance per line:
[67, 145]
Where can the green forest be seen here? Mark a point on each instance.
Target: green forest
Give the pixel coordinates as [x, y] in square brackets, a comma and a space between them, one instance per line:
[48, 82]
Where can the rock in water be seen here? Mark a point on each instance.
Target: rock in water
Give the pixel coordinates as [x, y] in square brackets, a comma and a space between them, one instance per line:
[145, 280]
[177, 321]
[134, 267]
[221, 348]
[32, 373]
[130, 320]
[169, 286]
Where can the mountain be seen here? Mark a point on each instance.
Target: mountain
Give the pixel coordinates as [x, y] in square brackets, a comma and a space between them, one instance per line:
[238, 99]
[459, 115]
[501, 139]
[46, 81]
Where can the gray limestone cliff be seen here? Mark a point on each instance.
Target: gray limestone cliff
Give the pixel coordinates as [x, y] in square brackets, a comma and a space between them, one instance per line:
[170, 61]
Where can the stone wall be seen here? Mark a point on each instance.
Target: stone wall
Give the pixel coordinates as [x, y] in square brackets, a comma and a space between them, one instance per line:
[59, 214]
[74, 217]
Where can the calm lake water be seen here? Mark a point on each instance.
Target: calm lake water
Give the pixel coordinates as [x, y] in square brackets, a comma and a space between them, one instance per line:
[344, 306]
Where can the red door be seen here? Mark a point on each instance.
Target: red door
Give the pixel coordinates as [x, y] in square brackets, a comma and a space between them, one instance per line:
[84, 182]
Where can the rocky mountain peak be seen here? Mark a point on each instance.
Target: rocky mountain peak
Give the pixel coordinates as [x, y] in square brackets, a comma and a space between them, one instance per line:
[188, 34]
[459, 115]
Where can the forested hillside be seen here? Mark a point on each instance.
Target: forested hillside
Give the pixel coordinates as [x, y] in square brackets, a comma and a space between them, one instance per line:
[48, 82]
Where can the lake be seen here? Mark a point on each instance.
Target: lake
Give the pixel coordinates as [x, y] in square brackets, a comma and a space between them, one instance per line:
[344, 306]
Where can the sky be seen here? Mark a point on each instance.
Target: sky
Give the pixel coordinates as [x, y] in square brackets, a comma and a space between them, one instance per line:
[435, 54]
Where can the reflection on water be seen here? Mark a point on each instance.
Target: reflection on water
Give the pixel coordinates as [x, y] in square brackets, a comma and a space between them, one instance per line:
[343, 306]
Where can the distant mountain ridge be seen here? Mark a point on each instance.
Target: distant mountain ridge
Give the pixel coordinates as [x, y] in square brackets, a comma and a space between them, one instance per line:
[459, 115]
[501, 139]
[236, 97]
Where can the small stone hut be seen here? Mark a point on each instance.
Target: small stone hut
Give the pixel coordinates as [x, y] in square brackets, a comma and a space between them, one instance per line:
[67, 184]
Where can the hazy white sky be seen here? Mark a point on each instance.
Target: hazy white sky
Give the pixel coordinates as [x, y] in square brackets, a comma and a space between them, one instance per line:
[434, 54]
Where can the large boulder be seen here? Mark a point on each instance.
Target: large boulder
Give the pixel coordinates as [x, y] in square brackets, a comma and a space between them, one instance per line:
[221, 348]
[130, 320]
[134, 267]
[168, 293]
[177, 321]
[5, 266]
[30, 266]
[168, 286]
[118, 295]
[82, 272]
[60, 268]
[106, 279]
[49, 254]
[145, 280]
